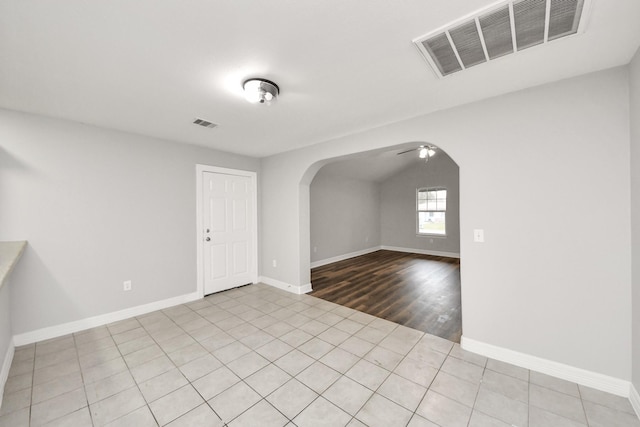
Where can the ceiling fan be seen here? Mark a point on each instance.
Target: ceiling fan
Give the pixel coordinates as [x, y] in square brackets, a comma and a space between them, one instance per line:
[424, 151]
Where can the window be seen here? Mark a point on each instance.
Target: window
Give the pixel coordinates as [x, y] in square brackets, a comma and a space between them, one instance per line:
[432, 209]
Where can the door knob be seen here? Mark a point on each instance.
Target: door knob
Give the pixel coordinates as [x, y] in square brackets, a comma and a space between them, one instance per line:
[208, 239]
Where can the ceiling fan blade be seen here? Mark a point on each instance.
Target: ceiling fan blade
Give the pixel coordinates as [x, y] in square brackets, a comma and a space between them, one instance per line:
[406, 151]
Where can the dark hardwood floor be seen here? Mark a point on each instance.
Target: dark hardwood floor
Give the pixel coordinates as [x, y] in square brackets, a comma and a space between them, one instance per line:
[418, 291]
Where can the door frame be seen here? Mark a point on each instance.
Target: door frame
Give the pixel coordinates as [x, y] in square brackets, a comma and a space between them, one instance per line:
[200, 169]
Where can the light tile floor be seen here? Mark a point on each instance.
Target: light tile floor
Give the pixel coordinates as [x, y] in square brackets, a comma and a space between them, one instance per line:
[258, 356]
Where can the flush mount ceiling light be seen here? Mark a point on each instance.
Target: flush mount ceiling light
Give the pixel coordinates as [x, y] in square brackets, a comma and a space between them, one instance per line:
[260, 91]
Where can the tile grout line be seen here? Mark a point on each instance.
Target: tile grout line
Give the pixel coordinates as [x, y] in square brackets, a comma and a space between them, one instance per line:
[129, 369]
[33, 381]
[238, 299]
[293, 377]
[224, 364]
[75, 346]
[318, 360]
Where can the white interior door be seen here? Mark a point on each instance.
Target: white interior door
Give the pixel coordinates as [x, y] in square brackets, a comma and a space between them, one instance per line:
[228, 231]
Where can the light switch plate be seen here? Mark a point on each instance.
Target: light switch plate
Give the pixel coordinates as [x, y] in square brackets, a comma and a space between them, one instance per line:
[478, 235]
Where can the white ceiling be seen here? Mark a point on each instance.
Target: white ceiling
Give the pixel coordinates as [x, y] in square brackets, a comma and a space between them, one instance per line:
[372, 167]
[151, 66]
[378, 166]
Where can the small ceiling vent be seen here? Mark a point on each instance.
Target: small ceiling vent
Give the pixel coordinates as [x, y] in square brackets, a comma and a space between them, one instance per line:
[204, 123]
[501, 29]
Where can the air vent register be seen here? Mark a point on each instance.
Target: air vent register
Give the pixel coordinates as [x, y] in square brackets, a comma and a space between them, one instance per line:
[501, 29]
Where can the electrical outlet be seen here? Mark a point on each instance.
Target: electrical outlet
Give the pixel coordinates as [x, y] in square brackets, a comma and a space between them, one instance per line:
[478, 236]
[275, 263]
[127, 285]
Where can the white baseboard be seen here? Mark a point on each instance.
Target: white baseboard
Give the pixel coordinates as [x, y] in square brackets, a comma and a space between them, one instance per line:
[331, 260]
[6, 366]
[634, 398]
[421, 251]
[560, 370]
[299, 290]
[305, 289]
[103, 319]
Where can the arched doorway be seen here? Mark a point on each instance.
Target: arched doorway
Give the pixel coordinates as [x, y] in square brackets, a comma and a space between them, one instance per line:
[378, 243]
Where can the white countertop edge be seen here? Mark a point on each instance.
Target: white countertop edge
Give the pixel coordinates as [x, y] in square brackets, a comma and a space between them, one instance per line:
[10, 253]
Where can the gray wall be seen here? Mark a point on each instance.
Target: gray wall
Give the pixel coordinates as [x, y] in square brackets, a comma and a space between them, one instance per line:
[398, 206]
[98, 207]
[349, 215]
[547, 285]
[634, 80]
[345, 215]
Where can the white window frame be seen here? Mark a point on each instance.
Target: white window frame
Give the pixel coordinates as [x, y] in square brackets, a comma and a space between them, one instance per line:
[418, 211]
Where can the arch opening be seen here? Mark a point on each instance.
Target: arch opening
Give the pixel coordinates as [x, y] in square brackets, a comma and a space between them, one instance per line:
[364, 213]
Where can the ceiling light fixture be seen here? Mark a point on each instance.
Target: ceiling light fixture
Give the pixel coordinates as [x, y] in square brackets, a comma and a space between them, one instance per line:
[424, 151]
[260, 91]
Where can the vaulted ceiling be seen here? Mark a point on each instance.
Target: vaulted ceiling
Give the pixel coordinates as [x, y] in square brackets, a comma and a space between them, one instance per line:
[151, 67]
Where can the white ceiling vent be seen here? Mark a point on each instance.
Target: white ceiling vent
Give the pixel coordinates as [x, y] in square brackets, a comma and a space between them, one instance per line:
[500, 29]
[204, 123]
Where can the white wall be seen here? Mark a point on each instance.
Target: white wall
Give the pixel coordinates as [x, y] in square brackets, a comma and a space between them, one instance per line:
[634, 80]
[398, 206]
[345, 215]
[98, 207]
[553, 278]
